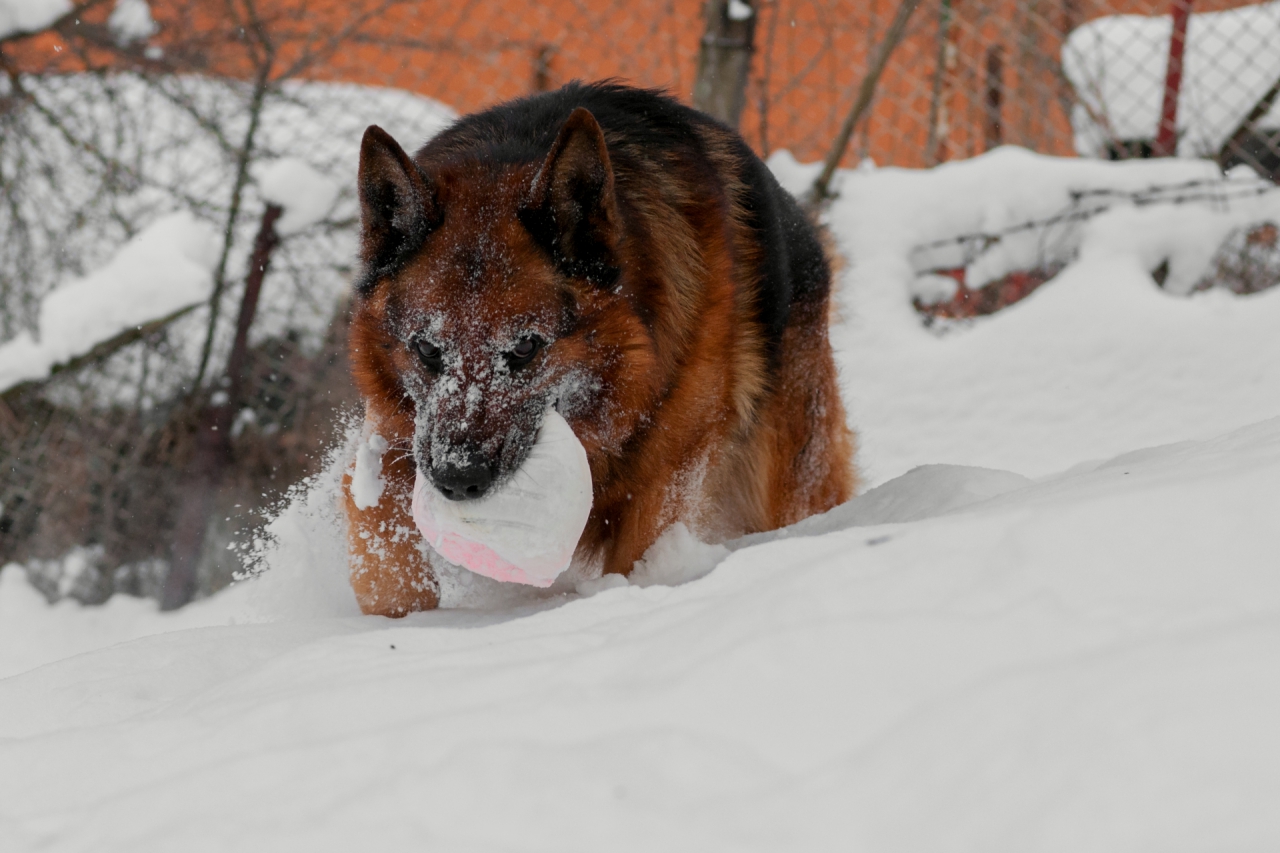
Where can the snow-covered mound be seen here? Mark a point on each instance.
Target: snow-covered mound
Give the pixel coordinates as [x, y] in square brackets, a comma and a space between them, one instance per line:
[1005, 644]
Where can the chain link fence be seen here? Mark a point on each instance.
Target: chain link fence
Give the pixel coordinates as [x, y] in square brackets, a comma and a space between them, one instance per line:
[116, 112]
[1062, 77]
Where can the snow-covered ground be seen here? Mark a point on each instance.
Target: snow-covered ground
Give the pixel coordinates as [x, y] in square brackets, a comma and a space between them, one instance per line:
[1060, 634]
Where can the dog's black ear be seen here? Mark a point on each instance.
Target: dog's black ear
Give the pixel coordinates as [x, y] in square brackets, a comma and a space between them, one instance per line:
[571, 209]
[397, 206]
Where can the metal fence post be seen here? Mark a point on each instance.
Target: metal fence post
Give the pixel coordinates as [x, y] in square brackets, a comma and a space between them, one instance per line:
[1167, 134]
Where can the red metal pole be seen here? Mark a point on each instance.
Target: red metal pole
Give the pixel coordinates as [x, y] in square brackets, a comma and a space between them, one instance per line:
[1167, 133]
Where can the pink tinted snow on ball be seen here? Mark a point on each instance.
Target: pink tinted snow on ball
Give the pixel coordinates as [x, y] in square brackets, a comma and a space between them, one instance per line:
[526, 531]
[475, 556]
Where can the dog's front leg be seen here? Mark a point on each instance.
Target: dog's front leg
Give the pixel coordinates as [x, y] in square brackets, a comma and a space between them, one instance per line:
[389, 570]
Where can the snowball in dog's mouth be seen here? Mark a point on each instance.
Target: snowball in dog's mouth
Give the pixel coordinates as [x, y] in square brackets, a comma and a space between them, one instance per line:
[527, 529]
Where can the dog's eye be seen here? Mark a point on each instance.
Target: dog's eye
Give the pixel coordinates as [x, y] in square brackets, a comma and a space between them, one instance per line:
[523, 352]
[429, 353]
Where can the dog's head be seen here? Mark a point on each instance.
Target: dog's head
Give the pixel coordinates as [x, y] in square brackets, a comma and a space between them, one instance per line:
[484, 289]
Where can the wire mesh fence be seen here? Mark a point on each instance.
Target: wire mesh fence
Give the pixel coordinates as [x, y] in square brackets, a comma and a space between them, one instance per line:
[95, 473]
[1062, 77]
[117, 112]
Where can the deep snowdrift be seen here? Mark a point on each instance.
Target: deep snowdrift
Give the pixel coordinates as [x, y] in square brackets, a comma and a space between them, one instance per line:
[959, 659]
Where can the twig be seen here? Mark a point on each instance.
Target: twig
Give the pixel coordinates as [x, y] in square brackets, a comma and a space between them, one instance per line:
[1261, 108]
[244, 157]
[102, 351]
[820, 192]
[310, 57]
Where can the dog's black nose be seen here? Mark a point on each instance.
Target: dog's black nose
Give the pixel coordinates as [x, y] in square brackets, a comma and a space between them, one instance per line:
[463, 483]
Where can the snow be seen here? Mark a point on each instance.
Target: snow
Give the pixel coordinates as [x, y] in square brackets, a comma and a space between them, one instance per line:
[131, 21]
[34, 633]
[27, 16]
[677, 557]
[306, 195]
[1117, 66]
[366, 478]
[525, 530]
[166, 267]
[739, 11]
[1050, 623]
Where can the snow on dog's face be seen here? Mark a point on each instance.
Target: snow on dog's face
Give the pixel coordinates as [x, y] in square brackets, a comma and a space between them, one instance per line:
[481, 364]
[485, 291]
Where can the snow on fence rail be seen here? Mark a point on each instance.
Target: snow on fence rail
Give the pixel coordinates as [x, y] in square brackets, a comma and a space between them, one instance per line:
[1051, 241]
[165, 269]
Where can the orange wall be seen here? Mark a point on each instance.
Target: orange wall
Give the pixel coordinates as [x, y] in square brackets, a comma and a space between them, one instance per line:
[810, 54]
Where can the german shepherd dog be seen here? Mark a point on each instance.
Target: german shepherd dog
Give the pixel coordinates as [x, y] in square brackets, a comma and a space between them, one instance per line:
[628, 260]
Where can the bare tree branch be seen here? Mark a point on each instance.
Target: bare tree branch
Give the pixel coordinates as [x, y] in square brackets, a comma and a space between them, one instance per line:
[102, 351]
[261, 85]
